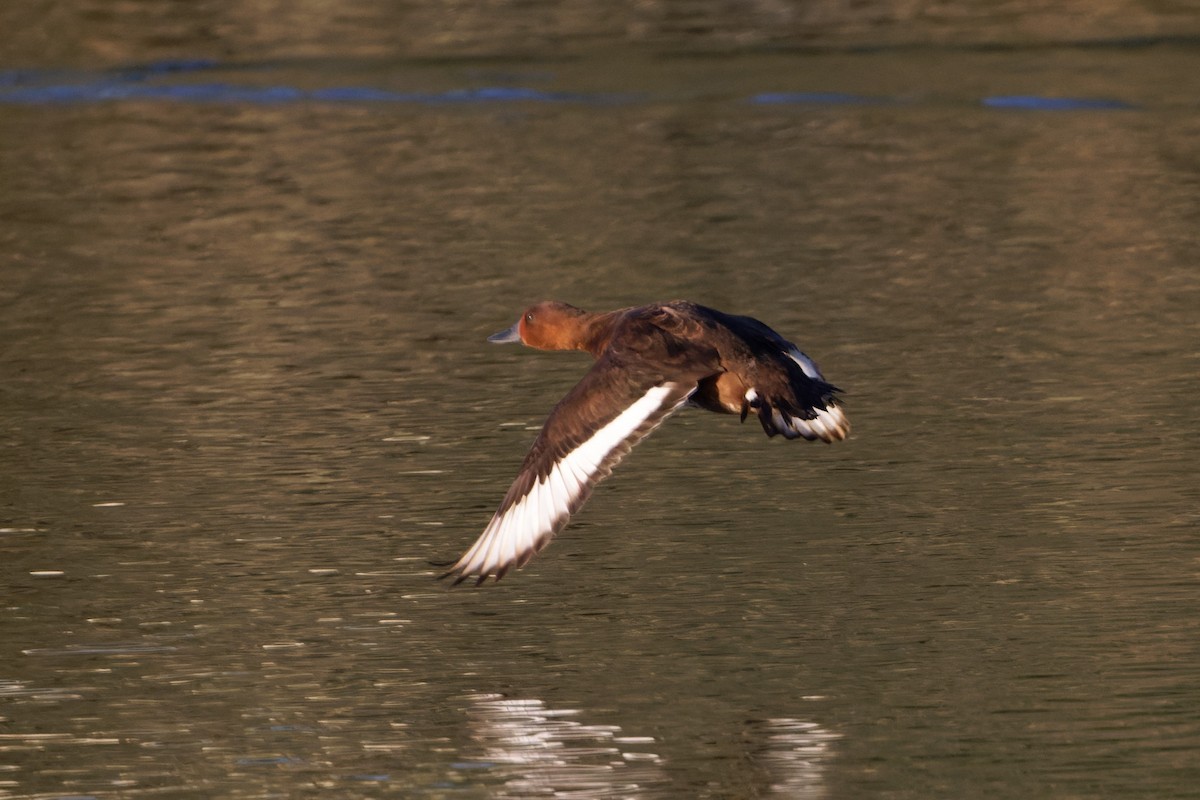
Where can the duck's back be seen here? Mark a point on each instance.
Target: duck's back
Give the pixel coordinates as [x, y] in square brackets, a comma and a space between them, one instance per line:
[762, 372]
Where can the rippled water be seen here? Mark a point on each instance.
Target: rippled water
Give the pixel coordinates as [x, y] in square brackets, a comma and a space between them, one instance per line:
[246, 399]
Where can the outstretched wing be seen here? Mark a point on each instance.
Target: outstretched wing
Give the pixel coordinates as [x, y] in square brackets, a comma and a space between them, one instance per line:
[588, 432]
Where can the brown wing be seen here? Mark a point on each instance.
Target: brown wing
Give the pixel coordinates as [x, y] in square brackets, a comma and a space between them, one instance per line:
[618, 403]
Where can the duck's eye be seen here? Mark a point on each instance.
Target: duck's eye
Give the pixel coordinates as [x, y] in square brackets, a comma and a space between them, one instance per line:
[529, 317]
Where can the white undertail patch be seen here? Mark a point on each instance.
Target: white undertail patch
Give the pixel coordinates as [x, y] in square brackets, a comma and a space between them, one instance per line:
[830, 423]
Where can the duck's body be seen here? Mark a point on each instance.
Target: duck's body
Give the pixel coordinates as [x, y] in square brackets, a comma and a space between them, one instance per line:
[650, 361]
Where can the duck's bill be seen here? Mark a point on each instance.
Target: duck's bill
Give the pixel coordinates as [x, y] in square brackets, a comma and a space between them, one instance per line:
[508, 335]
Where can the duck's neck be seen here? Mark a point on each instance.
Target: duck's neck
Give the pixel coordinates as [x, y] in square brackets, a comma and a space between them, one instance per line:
[594, 331]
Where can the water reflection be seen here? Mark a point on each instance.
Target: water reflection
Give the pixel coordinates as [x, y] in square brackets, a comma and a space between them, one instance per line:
[10, 689]
[796, 756]
[538, 751]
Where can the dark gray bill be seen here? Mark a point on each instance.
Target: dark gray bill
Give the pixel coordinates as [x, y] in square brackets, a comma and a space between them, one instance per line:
[508, 335]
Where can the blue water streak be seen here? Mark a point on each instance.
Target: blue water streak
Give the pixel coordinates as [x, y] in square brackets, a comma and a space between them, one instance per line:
[171, 81]
[818, 98]
[168, 67]
[18, 88]
[77, 93]
[1038, 103]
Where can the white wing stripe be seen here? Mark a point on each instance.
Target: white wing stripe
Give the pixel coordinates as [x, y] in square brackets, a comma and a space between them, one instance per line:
[488, 553]
[519, 528]
[559, 488]
[542, 504]
[507, 552]
[604, 441]
[576, 473]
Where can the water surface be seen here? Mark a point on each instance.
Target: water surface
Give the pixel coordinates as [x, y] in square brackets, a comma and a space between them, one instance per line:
[246, 399]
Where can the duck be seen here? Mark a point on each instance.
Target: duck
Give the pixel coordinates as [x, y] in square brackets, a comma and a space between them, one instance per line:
[650, 361]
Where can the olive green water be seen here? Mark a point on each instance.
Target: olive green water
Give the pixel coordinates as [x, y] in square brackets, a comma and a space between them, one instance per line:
[245, 398]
